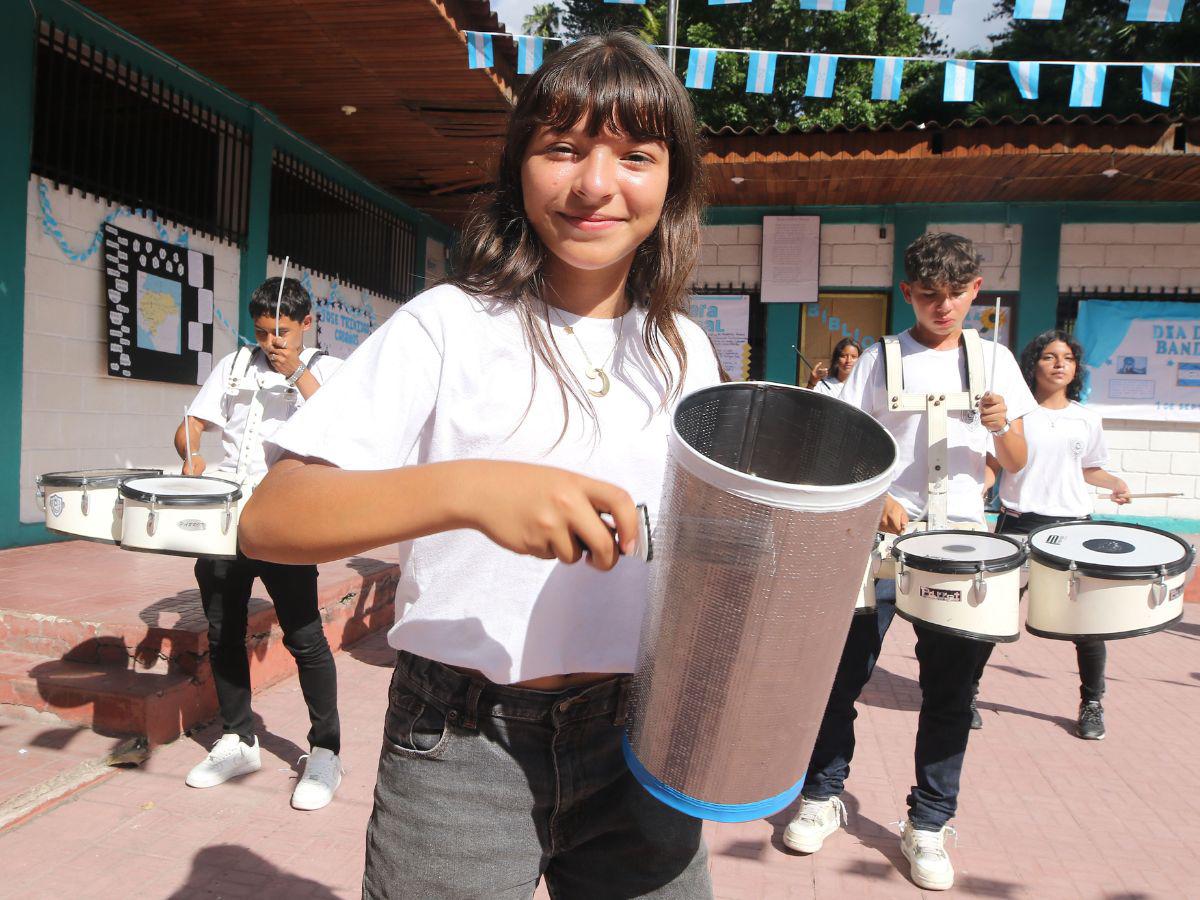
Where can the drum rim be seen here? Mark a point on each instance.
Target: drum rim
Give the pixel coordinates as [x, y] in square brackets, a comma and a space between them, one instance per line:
[958, 632]
[956, 566]
[72, 479]
[1106, 636]
[132, 493]
[1112, 573]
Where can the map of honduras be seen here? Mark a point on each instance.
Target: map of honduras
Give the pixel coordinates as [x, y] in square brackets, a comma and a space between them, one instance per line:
[159, 312]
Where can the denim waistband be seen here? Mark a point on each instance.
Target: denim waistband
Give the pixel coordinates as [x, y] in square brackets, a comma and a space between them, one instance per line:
[465, 698]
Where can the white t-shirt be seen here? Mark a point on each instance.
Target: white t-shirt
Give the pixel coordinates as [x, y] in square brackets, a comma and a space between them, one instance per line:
[229, 413]
[448, 378]
[830, 386]
[967, 440]
[1062, 443]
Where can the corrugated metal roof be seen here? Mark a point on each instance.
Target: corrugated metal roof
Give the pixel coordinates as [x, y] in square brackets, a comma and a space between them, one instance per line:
[981, 122]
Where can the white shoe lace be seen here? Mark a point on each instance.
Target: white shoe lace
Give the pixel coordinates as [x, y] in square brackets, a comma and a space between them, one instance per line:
[320, 770]
[813, 811]
[932, 843]
[223, 750]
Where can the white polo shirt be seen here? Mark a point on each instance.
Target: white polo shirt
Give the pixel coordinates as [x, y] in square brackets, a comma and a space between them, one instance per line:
[1062, 443]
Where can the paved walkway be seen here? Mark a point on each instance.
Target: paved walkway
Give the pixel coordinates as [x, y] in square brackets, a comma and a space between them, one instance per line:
[1044, 815]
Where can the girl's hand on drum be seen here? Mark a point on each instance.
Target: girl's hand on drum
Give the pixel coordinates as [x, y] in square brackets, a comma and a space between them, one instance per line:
[194, 465]
[818, 374]
[549, 513]
[894, 519]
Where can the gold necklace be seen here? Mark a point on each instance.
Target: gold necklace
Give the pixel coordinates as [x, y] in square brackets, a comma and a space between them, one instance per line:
[593, 372]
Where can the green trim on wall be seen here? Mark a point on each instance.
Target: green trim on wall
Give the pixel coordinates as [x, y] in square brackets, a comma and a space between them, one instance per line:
[253, 268]
[17, 43]
[783, 328]
[1037, 305]
[910, 225]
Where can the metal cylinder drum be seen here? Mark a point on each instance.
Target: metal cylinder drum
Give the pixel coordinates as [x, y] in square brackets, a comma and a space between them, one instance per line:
[770, 504]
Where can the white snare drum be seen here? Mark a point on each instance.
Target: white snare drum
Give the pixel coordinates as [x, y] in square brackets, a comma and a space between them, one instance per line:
[1105, 580]
[181, 515]
[85, 504]
[960, 582]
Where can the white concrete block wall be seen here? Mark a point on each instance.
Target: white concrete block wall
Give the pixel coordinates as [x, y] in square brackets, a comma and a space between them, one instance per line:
[1126, 256]
[74, 415]
[1000, 247]
[1161, 458]
[851, 256]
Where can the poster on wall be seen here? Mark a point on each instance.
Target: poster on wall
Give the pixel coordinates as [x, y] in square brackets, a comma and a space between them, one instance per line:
[726, 318]
[1143, 359]
[791, 255]
[160, 308]
[982, 317]
[341, 327]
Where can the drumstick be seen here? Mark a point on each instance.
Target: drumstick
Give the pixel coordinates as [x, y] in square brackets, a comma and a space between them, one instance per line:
[187, 436]
[1159, 495]
[802, 358]
[995, 341]
[279, 299]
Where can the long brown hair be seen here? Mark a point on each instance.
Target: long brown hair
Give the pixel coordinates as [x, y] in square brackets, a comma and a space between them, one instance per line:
[615, 82]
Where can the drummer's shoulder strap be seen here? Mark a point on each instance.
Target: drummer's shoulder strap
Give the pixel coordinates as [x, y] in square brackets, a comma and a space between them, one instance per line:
[241, 365]
[973, 346]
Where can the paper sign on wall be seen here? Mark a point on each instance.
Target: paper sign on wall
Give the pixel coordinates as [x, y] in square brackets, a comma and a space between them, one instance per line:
[791, 254]
[726, 318]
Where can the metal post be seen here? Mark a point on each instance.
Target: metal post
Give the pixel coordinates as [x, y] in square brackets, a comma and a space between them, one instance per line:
[672, 18]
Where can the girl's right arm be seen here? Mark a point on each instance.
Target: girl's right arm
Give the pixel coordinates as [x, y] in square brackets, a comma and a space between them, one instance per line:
[307, 511]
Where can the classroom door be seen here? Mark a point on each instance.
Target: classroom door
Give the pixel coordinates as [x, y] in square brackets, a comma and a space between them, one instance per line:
[835, 316]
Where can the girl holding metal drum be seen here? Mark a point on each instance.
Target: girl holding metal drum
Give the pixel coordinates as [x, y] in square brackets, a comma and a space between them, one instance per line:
[829, 379]
[1066, 454]
[485, 428]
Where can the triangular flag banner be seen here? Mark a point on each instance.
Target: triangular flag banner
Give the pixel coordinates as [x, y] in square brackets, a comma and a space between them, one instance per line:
[529, 54]
[824, 5]
[1025, 74]
[931, 7]
[702, 61]
[1087, 84]
[886, 83]
[822, 69]
[760, 77]
[479, 50]
[960, 81]
[1155, 11]
[1039, 9]
[1157, 79]
[632, 2]
[726, 2]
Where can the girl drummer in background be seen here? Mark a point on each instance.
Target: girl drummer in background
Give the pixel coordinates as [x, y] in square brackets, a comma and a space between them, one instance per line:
[485, 427]
[829, 379]
[1066, 454]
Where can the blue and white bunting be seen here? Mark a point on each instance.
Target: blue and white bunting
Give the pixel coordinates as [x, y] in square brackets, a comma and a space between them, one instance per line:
[726, 2]
[702, 62]
[931, 7]
[960, 81]
[1157, 79]
[630, 2]
[885, 85]
[1039, 9]
[1087, 84]
[1155, 11]
[1025, 74]
[529, 54]
[479, 50]
[823, 5]
[760, 77]
[822, 70]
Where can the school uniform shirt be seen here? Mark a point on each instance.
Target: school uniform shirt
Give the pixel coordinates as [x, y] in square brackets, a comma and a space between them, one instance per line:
[1062, 443]
[229, 413]
[448, 377]
[830, 386]
[927, 371]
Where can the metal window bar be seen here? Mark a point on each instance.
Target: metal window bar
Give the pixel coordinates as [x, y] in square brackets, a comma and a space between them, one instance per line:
[106, 129]
[1068, 300]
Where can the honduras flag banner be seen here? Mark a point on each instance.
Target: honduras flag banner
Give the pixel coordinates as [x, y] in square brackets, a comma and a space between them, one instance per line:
[824, 5]
[1087, 84]
[702, 61]
[960, 81]
[479, 50]
[726, 2]
[822, 69]
[1025, 74]
[632, 2]
[1157, 79]
[1039, 9]
[886, 83]
[529, 54]
[760, 77]
[931, 7]
[1155, 11]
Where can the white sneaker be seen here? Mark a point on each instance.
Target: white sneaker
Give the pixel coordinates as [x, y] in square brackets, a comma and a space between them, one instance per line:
[816, 820]
[929, 863]
[322, 775]
[228, 758]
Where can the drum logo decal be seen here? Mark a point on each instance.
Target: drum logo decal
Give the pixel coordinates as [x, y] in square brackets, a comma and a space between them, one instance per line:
[56, 505]
[930, 593]
[1108, 545]
[1176, 593]
[1054, 539]
[191, 525]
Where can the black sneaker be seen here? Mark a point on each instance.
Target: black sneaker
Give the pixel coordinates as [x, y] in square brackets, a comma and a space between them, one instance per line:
[1091, 721]
[976, 719]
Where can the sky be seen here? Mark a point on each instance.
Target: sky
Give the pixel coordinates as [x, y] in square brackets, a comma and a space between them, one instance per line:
[966, 29]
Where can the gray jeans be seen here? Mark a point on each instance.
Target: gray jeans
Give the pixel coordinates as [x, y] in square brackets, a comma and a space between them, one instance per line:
[483, 789]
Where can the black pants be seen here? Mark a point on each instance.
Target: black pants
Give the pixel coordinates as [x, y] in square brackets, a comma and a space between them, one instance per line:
[225, 586]
[1090, 654]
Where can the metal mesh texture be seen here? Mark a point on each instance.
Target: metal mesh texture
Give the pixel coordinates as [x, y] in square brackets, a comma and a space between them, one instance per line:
[749, 604]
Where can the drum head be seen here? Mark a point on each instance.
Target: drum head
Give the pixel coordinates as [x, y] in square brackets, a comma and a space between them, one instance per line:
[94, 477]
[181, 490]
[1110, 549]
[959, 552]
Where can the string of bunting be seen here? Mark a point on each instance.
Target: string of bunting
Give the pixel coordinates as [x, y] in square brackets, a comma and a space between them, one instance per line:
[53, 229]
[1087, 81]
[1139, 10]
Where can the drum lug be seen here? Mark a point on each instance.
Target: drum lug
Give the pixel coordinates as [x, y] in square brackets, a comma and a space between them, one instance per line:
[152, 520]
[41, 496]
[84, 502]
[1158, 590]
[1073, 582]
[227, 518]
[980, 587]
[902, 574]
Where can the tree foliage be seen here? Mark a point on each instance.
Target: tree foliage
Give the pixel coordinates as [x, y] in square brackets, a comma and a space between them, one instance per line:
[544, 20]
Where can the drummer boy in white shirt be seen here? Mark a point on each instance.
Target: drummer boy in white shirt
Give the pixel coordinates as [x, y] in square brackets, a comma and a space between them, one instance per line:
[942, 281]
[282, 374]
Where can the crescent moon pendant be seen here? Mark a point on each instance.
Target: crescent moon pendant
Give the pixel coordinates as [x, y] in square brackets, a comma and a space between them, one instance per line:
[603, 379]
